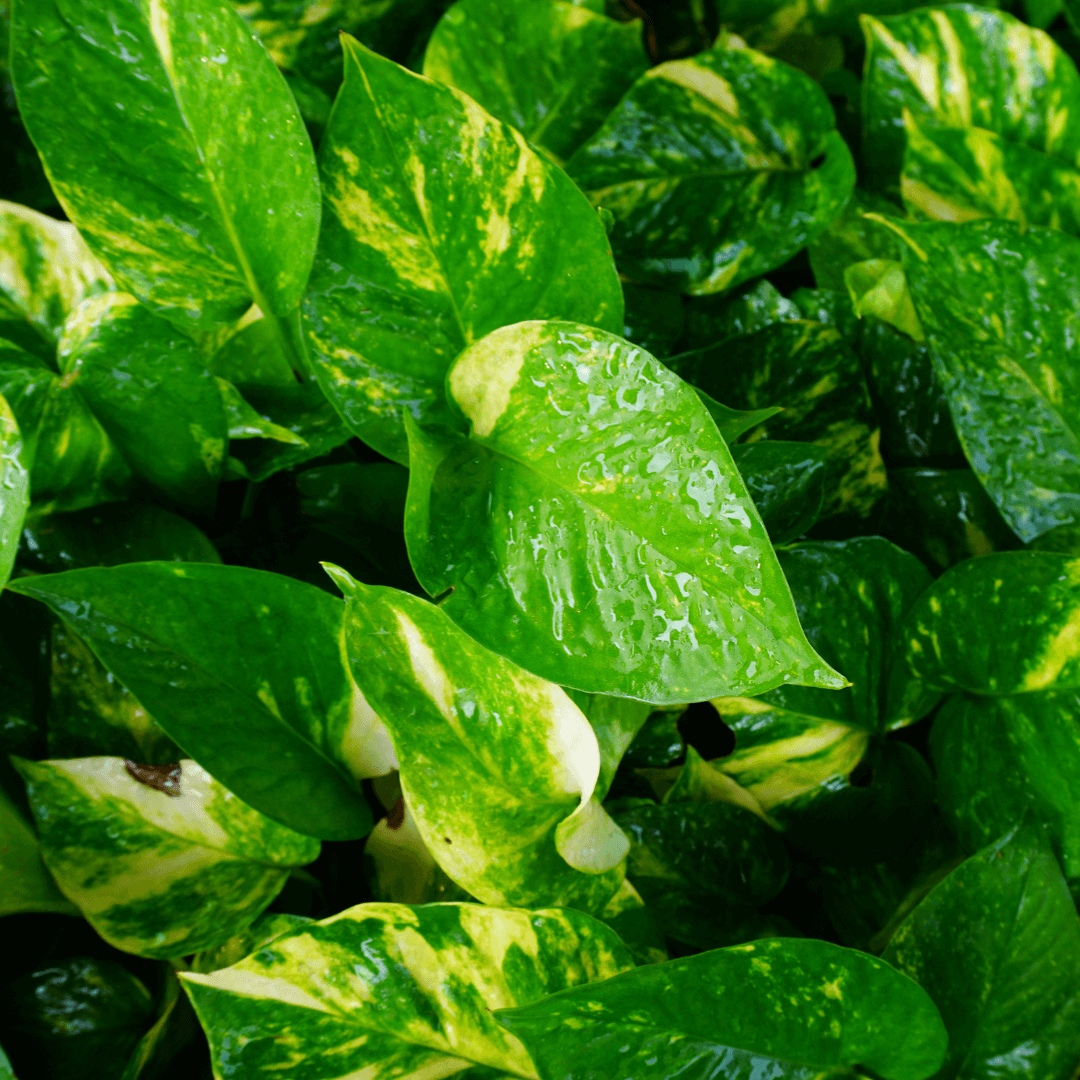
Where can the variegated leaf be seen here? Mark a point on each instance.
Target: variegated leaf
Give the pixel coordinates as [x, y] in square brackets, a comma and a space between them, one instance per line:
[553, 70]
[245, 423]
[261, 932]
[14, 488]
[499, 768]
[594, 528]
[418, 997]
[964, 66]
[163, 861]
[27, 885]
[440, 225]
[195, 642]
[199, 193]
[46, 271]
[151, 390]
[716, 169]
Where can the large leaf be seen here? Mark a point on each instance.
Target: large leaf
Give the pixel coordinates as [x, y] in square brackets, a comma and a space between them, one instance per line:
[71, 459]
[28, 886]
[498, 767]
[150, 388]
[716, 1015]
[786, 480]
[1000, 311]
[440, 225]
[594, 528]
[198, 200]
[716, 169]
[162, 861]
[796, 745]
[553, 70]
[46, 271]
[195, 643]
[1001, 759]
[997, 947]
[421, 985]
[14, 489]
[965, 66]
[810, 371]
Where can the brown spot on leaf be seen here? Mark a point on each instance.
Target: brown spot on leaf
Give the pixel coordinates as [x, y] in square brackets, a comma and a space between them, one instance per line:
[165, 778]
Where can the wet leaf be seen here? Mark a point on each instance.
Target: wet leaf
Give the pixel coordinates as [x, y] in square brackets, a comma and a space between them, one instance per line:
[786, 480]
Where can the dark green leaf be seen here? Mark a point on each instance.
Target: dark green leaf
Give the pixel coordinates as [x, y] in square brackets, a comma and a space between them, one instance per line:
[196, 642]
[717, 169]
[654, 318]
[658, 743]
[551, 69]
[28, 886]
[669, 591]
[711, 319]
[808, 370]
[714, 1015]
[14, 489]
[198, 200]
[997, 947]
[852, 238]
[418, 258]
[786, 480]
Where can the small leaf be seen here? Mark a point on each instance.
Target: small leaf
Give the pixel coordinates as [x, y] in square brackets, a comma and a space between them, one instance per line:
[28, 886]
[245, 423]
[670, 591]
[159, 873]
[878, 287]
[714, 1014]
[14, 489]
[786, 480]
[422, 984]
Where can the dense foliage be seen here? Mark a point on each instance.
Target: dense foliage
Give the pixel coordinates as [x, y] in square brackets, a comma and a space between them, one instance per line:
[541, 540]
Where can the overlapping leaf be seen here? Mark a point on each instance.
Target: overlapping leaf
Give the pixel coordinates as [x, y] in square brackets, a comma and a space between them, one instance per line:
[716, 169]
[200, 194]
[28, 886]
[440, 225]
[594, 528]
[422, 984]
[162, 861]
[499, 769]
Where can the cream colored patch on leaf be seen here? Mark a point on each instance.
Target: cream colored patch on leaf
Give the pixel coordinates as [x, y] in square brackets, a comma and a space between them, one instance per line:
[701, 80]
[1062, 648]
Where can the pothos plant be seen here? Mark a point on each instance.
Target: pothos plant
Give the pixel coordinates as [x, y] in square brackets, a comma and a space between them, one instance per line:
[691, 449]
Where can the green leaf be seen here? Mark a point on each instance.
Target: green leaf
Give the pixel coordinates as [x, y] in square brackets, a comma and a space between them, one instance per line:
[110, 535]
[786, 480]
[161, 860]
[943, 516]
[997, 947]
[245, 423]
[878, 288]
[173, 1027]
[422, 983]
[79, 1018]
[615, 722]
[28, 886]
[810, 371]
[1000, 759]
[711, 319]
[797, 745]
[196, 642]
[266, 928]
[704, 868]
[72, 461]
[551, 69]
[150, 388]
[46, 271]
[852, 237]
[654, 318]
[14, 489]
[480, 740]
[715, 1015]
[964, 66]
[440, 224]
[669, 591]
[91, 713]
[717, 169]
[964, 173]
[999, 309]
[195, 199]
[1031, 598]
[5, 1067]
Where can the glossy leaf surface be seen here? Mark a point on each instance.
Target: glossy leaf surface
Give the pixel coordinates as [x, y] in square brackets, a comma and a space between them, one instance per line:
[423, 983]
[786, 480]
[150, 389]
[811, 372]
[717, 169]
[852, 238]
[499, 768]
[162, 862]
[965, 66]
[551, 69]
[440, 225]
[711, 1015]
[197, 199]
[577, 433]
[195, 642]
[997, 947]
[14, 489]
